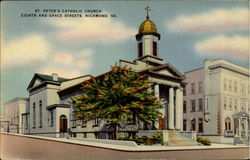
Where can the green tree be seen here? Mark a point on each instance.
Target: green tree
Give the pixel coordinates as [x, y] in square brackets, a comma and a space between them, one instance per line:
[117, 95]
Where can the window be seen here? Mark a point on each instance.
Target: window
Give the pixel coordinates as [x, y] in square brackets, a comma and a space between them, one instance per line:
[34, 115]
[192, 125]
[140, 49]
[235, 86]
[26, 121]
[192, 105]
[73, 123]
[230, 85]
[225, 102]
[154, 49]
[84, 123]
[184, 91]
[243, 89]
[84, 135]
[227, 124]
[193, 88]
[200, 87]
[41, 114]
[230, 103]
[200, 125]
[243, 106]
[249, 89]
[51, 118]
[184, 125]
[225, 84]
[184, 107]
[236, 104]
[96, 121]
[200, 104]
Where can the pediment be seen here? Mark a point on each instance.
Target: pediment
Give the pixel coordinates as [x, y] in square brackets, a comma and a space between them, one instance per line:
[36, 82]
[167, 70]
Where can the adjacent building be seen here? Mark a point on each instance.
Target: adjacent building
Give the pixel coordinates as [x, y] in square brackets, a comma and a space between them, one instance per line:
[193, 103]
[216, 99]
[226, 98]
[45, 116]
[12, 120]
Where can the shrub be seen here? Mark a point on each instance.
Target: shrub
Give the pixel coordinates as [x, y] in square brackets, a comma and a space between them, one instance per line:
[204, 141]
[155, 139]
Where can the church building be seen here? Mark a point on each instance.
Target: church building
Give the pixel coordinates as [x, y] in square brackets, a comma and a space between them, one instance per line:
[168, 85]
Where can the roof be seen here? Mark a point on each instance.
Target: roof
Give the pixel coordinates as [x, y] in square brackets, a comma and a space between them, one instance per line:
[147, 26]
[16, 99]
[49, 77]
[78, 85]
[240, 114]
[58, 106]
[45, 78]
[168, 66]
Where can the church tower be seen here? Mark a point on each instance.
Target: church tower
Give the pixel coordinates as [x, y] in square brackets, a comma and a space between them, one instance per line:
[147, 41]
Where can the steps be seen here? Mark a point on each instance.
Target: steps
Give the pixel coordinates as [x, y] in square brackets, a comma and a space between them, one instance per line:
[176, 139]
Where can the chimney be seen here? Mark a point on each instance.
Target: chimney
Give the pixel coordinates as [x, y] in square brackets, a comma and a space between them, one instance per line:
[54, 76]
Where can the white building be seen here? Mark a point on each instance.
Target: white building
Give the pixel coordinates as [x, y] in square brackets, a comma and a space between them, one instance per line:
[45, 116]
[226, 95]
[218, 94]
[12, 120]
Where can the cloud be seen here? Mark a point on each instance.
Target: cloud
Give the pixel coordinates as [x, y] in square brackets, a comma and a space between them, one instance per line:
[236, 46]
[62, 72]
[212, 21]
[25, 51]
[69, 65]
[103, 30]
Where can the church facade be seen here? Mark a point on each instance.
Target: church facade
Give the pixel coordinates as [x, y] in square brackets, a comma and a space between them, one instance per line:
[167, 85]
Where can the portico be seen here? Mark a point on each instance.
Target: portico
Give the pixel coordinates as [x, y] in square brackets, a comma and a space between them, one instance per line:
[172, 106]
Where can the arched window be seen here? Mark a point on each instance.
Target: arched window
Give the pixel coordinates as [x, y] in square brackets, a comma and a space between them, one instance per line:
[40, 114]
[34, 115]
[227, 124]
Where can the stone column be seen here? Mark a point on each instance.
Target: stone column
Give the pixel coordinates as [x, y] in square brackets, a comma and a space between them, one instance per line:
[179, 109]
[157, 95]
[157, 91]
[171, 109]
[246, 127]
[239, 128]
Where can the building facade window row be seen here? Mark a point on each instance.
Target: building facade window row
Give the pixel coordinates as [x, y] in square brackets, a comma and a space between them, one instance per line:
[233, 86]
[40, 110]
[193, 105]
[194, 89]
[193, 124]
[230, 103]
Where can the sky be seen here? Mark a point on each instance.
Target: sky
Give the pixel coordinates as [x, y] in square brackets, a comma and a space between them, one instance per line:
[191, 31]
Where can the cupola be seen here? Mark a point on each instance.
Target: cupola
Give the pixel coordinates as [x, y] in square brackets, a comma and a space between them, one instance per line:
[147, 37]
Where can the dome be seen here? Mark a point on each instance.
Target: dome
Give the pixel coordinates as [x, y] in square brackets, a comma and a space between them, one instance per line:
[147, 27]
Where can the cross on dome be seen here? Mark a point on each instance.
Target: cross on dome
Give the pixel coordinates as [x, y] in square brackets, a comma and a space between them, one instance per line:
[147, 10]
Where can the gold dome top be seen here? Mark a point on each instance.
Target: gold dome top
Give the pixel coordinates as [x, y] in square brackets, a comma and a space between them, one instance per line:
[147, 27]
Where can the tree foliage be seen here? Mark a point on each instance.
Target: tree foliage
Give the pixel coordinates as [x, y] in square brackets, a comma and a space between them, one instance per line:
[117, 95]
